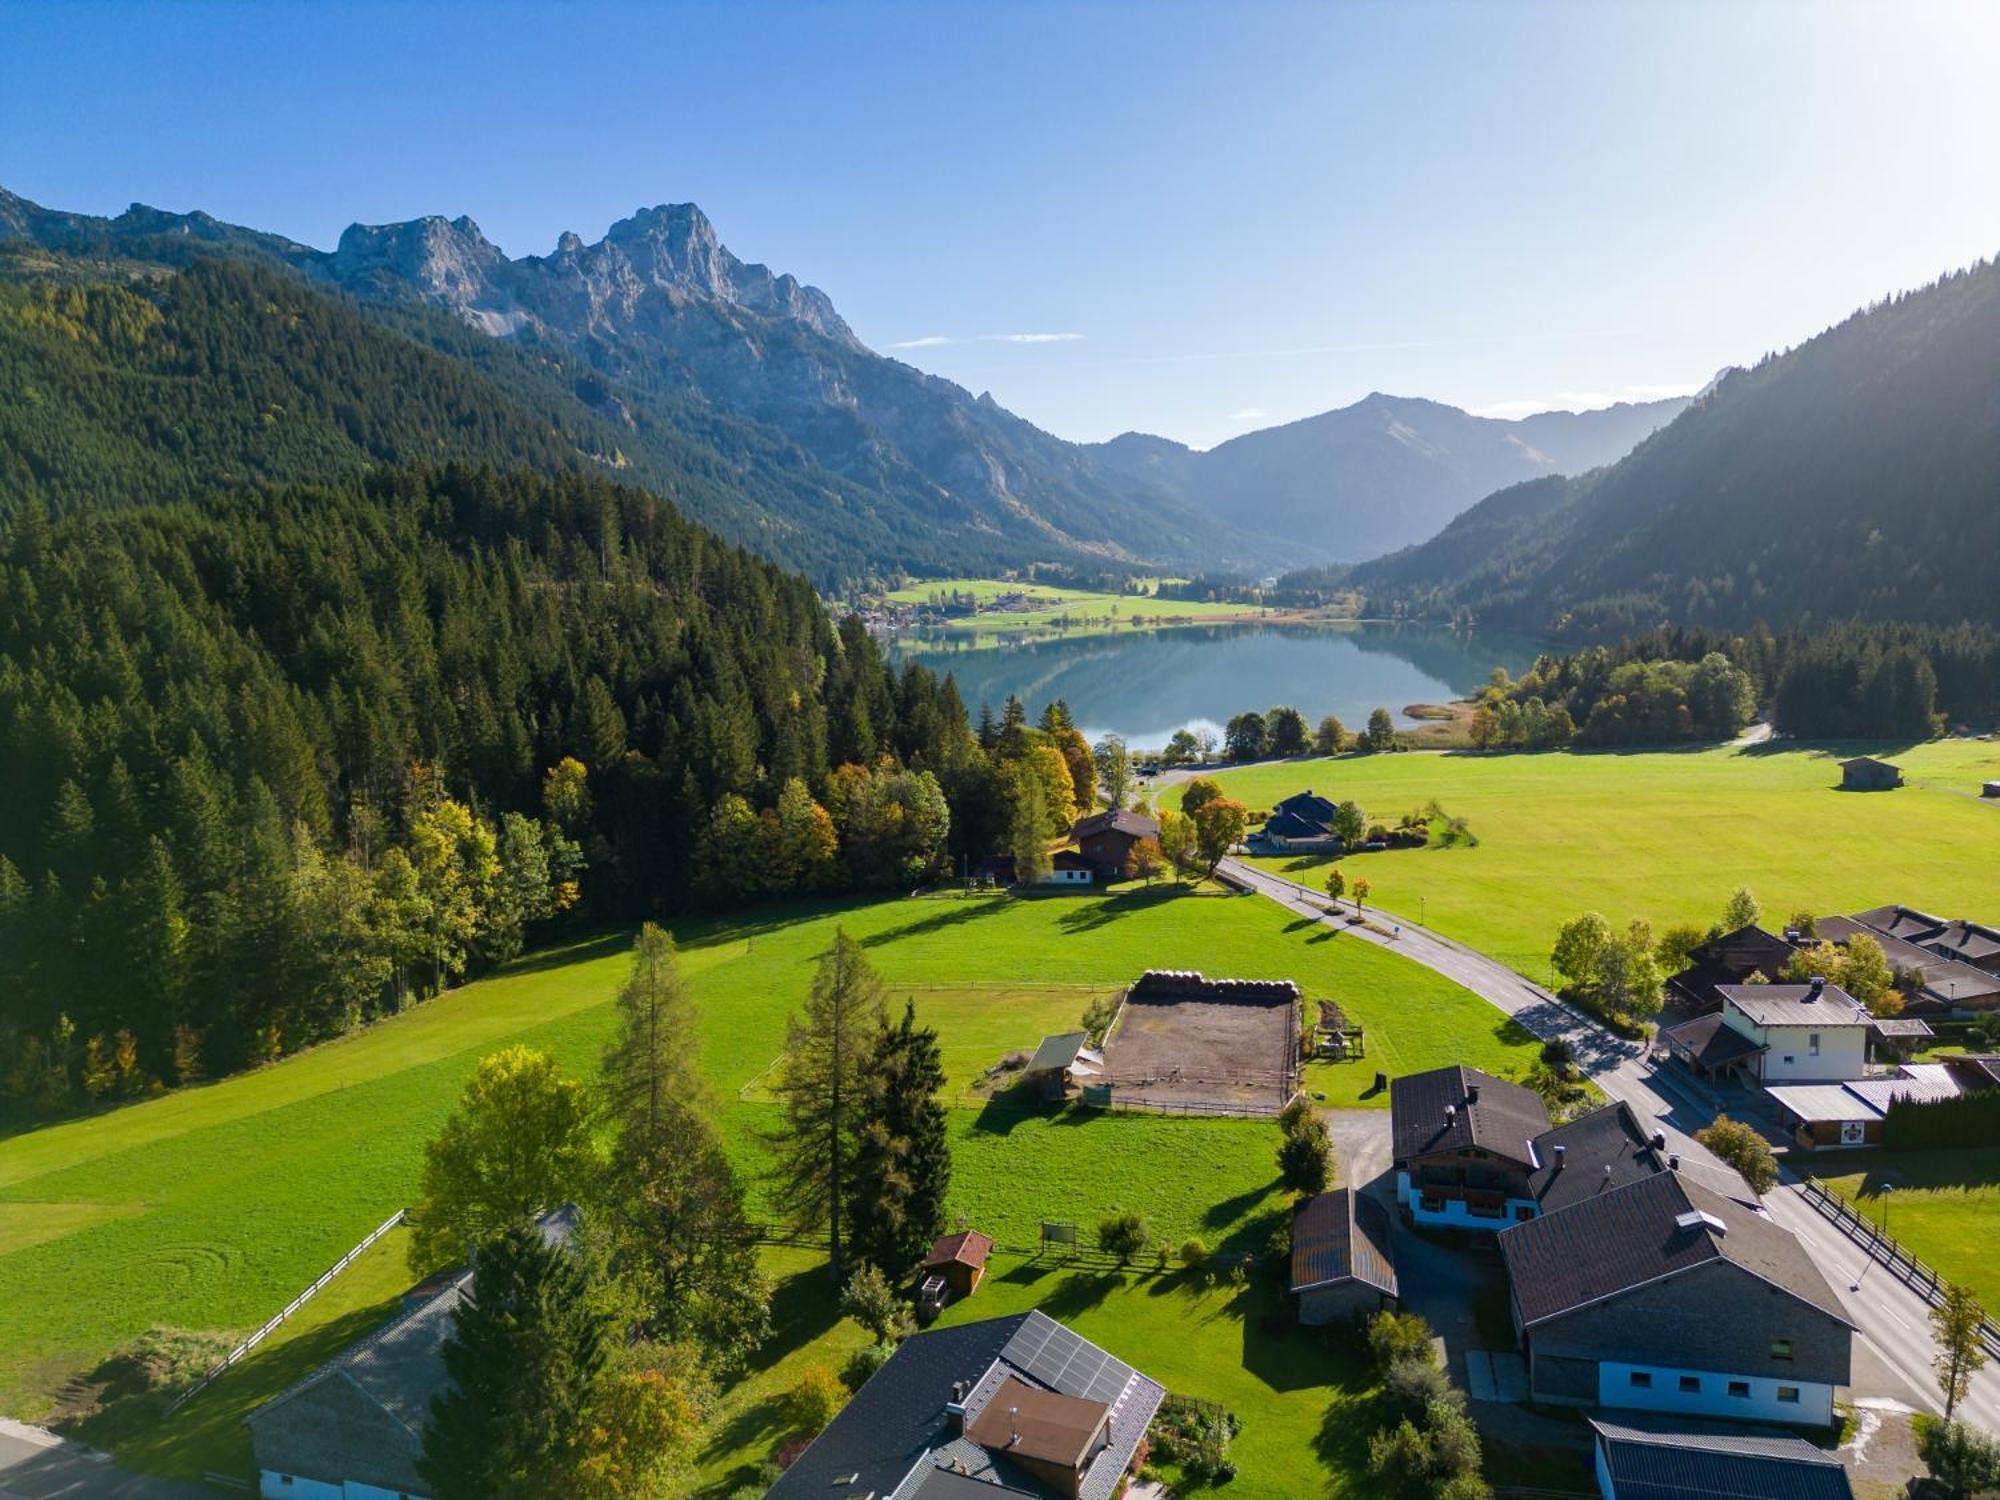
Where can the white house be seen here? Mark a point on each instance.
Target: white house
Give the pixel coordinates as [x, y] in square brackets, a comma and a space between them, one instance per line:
[1805, 1033]
[1068, 867]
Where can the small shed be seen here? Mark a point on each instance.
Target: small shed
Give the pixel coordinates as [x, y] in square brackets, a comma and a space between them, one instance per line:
[1342, 1266]
[956, 1264]
[1864, 773]
[1990, 789]
[1048, 1070]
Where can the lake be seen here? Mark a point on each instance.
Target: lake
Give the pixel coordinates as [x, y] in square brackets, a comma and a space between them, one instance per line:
[1143, 685]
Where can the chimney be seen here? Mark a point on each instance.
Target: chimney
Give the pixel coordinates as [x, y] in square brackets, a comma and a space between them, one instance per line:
[954, 1409]
[1607, 1172]
[1450, 1114]
[1471, 1094]
[1561, 1151]
[1013, 1428]
[1817, 988]
[1659, 1141]
[1674, 1162]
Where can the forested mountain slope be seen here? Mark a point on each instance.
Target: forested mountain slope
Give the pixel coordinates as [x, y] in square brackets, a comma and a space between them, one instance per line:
[806, 444]
[1381, 474]
[1856, 476]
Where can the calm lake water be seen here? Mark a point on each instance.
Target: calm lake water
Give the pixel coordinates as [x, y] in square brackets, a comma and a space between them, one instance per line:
[1146, 684]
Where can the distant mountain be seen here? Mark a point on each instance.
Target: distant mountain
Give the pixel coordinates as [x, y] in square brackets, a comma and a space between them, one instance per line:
[1855, 476]
[865, 465]
[1381, 474]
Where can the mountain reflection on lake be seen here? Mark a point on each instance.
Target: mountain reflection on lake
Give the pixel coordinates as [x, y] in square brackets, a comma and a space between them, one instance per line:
[1144, 685]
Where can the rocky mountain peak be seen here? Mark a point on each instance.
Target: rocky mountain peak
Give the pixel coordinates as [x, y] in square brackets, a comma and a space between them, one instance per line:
[444, 260]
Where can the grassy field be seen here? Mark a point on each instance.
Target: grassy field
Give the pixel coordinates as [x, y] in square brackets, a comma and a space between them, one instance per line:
[210, 1208]
[1070, 612]
[1942, 1206]
[1665, 835]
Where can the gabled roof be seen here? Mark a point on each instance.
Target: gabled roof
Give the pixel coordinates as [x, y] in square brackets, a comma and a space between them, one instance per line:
[1712, 1041]
[1125, 821]
[967, 1248]
[1026, 1421]
[1071, 859]
[1952, 982]
[1057, 1051]
[1290, 825]
[1967, 941]
[1657, 1227]
[1901, 953]
[1677, 1459]
[1503, 1120]
[895, 1438]
[1868, 761]
[1309, 805]
[1900, 921]
[1745, 951]
[1796, 1005]
[1341, 1236]
[1601, 1152]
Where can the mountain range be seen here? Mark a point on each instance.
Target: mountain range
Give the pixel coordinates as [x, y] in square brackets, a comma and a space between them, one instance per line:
[1856, 476]
[742, 394]
[1381, 474]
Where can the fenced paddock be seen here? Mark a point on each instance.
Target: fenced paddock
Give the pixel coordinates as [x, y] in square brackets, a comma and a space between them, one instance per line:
[1188, 1048]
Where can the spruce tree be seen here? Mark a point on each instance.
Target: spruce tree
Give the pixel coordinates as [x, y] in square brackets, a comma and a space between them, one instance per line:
[902, 1170]
[524, 1355]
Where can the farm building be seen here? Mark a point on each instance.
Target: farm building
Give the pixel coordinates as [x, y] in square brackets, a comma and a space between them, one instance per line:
[1864, 773]
[956, 1263]
[1672, 1459]
[1108, 839]
[1069, 867]
[1729, 959]
[1056, 1062]
[1007, 1407]
[1342, 1264]
[354, 1428]
[1663, 1296]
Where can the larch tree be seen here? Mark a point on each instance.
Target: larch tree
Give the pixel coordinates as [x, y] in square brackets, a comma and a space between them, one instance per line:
[1955, 1326]
[675, 1202]
[821, 1088]
[1028, 832]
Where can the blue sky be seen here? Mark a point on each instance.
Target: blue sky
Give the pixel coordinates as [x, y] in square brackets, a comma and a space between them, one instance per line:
[1209, 218]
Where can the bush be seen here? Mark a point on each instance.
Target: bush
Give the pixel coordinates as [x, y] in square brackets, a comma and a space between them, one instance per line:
[1414, 1381]
[1124, 1235]
[1193, 1254]
[1558, 1054]
[1196, 1436]
[864, 1362]
[1963, 1460]
[1305, 1157]
[813, 1401]
[1744, 1149]
[1393, 1336]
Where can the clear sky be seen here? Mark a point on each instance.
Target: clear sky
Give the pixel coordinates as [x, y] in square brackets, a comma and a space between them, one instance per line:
[1187, 220]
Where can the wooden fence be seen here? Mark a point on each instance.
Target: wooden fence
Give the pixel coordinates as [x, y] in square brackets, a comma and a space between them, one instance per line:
[290, 1307]
[1905, 1267]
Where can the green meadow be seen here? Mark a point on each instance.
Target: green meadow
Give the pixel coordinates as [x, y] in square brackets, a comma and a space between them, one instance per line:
[1941, 1206]
[1067, 612]
[1665, 835]
[210, 1208]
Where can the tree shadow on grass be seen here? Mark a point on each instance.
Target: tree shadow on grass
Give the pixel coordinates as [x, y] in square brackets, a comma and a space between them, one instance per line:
[1011, 1107]
[1105, 910]
[580, 950]
[1229, 1210]
[804, 1306]
[955, 914]
[760, 1424]
[1079, 1291]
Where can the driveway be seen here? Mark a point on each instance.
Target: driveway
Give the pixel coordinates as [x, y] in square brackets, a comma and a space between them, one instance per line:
[38, 1465]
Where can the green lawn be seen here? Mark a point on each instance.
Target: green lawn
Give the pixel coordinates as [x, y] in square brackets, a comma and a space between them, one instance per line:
[1942, 1206]
[1068, 612]
[210, 1208]
[1665, 835]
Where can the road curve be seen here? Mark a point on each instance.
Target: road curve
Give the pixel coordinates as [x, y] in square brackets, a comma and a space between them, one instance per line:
[1893, 1352]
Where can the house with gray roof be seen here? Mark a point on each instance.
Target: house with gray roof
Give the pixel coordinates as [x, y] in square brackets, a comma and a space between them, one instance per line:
[1643, 1458]
[353, 1429]
[1014, 1406]
[1477, 1152]
[1664, 1296]
[1343, 1266]
[1804, 1033]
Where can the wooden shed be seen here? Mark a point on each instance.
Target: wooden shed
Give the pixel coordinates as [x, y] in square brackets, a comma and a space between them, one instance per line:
[955, 1265]
[1342, 1266]
[1864, 773]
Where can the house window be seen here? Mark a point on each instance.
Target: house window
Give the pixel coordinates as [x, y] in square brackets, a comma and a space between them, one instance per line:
[1781, 1348]
[1790, 1058]
[1789, 1394]
[1690, 1385]
[1740, 1388]
[1642, 1380]
[1812, 1043]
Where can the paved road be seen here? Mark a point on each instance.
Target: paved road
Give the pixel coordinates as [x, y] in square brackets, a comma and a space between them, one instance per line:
[1893, 1353]
[36, 1465]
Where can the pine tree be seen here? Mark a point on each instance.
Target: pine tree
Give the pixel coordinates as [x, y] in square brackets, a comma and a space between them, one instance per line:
[902, 1169]
[524, 1356]
[821, 1087]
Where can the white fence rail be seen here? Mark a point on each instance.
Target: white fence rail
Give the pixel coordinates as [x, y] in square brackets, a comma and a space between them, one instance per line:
[289, 1308]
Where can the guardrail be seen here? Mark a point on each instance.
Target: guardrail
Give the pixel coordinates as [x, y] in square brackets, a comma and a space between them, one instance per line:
[1918, 1276]
[290, 1307]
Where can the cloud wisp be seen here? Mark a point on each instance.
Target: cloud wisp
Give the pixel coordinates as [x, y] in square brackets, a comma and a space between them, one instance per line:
[1529, 406]
[939, 340]
[1248, 414]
